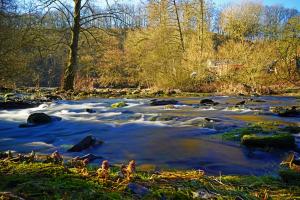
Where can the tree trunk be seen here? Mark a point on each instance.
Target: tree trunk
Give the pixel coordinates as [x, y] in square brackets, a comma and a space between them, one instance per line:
[202, 26]
[179, 25]
[69, 75]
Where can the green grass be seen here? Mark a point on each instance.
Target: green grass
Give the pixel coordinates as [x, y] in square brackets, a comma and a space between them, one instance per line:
[50, 181]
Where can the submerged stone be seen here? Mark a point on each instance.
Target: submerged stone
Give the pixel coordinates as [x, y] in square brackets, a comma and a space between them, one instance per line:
[162, 118]
[85, 143]
[90, 157]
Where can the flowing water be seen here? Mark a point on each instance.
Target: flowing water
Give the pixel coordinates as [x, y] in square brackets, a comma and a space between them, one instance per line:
[179, 138]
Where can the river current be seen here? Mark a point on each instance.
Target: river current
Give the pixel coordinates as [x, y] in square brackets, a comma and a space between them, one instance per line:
[157, 138]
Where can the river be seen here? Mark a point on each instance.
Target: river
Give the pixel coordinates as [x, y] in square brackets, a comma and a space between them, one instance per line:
[157, 138]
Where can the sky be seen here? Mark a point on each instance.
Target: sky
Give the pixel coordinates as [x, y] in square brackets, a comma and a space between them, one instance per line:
[285, 3]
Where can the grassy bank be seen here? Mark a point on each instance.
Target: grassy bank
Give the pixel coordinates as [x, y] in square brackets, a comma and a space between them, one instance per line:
[53, 181]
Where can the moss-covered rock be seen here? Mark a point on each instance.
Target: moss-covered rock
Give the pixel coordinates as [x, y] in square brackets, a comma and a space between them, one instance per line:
[156, 102]
[119, 104]
[238, 133]
[276, 141]
[162, 118]
[169, 107]
[261, 128]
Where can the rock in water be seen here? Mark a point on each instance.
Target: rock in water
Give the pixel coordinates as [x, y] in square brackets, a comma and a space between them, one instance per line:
[91, 157]
[119, 105]
[208, 102]
[87, 142]
[89, 110]
[288, 111]
[155, 102]
[138, 189]
[38, 118]
[241, 103]
[282, 140]
[17, 105]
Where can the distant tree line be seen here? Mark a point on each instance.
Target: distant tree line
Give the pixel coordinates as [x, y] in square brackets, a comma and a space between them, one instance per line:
[191, 45]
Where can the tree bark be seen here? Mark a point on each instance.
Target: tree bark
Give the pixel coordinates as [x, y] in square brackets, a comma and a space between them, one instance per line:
[202, 25]
[179, 25]
[69, 75]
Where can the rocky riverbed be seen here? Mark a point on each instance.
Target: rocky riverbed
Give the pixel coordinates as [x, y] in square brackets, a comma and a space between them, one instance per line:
[180, 133]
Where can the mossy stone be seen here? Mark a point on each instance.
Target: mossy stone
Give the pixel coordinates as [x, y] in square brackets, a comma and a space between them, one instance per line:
[119, 104]
[277, 140]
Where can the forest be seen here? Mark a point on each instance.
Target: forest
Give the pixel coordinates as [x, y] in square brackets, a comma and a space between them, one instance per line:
[190, 45]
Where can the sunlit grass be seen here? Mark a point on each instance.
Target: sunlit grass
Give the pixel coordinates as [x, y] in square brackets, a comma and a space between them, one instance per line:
[51, 181]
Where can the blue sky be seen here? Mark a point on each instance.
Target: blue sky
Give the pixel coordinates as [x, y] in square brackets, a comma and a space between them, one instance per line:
[285, 3]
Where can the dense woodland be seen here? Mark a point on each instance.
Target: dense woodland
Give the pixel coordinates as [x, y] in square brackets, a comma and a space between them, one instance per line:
[191, 45]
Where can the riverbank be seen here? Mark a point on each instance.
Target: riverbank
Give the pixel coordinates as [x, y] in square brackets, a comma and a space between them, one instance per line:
[38, 180]
[48, 94]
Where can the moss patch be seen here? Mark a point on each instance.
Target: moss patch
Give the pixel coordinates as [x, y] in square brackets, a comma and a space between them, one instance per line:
[277, 141]
[260, 128]
[119, 104]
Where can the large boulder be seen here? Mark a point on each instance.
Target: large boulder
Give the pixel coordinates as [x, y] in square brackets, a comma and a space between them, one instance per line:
[85, 143]
[38, 118]
[156, 102]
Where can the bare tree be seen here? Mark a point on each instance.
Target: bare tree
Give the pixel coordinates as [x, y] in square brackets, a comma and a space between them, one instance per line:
[80, 20]
[179, 25]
